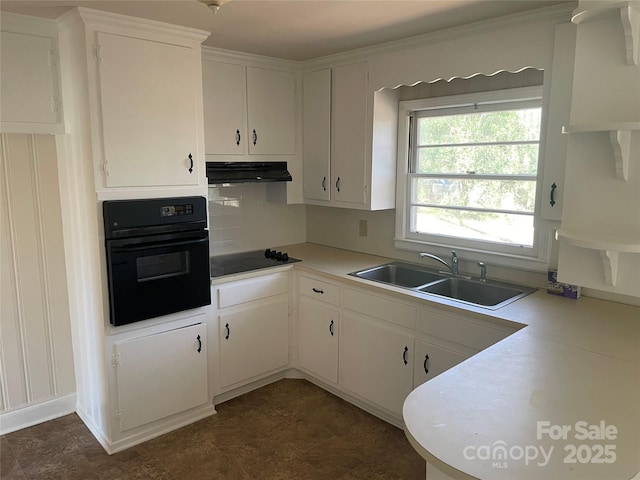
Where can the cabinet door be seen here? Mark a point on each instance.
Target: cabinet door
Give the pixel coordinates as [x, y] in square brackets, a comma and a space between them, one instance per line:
[28, 80]
[376, 361]
[559, 111]
[254, 340]
[271, 111]
[160, 375]
[318, 340]
[431, 360]
[148, 98]
[348, 133]
[317, 134]
[225, 121]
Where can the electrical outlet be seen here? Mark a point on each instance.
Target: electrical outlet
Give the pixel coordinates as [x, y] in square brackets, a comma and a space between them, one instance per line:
[364, 228]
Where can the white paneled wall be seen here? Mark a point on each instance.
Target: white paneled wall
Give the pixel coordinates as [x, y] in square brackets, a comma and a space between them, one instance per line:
[241, 219]
[36, 360]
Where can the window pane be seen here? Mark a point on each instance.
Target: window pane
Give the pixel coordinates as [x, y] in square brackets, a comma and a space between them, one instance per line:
[491, 227]
[501, 126]
[481, 159]
[515, 195]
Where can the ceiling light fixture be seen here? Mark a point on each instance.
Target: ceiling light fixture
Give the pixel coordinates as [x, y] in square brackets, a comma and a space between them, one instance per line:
[214, 5]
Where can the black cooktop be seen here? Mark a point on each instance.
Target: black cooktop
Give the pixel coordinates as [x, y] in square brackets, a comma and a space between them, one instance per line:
[248, 261]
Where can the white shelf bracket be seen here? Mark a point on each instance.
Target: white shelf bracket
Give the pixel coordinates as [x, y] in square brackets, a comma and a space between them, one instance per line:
[630, 17]
[610, 264]
[621, 143]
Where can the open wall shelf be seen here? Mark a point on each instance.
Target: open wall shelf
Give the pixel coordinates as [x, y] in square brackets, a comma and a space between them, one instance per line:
[629, 14]
[609, 247]
[620, 137]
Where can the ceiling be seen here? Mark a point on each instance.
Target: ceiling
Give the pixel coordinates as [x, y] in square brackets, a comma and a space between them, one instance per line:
[297, 29]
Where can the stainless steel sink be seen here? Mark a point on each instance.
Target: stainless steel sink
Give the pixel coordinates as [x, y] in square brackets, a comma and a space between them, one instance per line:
[399, 274]
[489, 295]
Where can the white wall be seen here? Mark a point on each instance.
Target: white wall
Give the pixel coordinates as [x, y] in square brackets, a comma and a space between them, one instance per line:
[37, 379]
[241, 219]
[340, 228]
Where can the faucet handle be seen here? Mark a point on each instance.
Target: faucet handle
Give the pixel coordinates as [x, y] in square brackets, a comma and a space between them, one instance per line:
[483, 271]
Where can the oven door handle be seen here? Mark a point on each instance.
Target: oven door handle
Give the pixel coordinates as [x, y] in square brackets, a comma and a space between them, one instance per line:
[136, 247]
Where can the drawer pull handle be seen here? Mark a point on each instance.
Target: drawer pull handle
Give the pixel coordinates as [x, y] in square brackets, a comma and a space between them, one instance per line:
[318, 291]
[238, 137]
[338, 184]
[324, 183]
[552, 195]
[255, 137]
[228, 331]
[404, 355]
[426, 360]
[331, 328]
[199, 343]
[191, 164]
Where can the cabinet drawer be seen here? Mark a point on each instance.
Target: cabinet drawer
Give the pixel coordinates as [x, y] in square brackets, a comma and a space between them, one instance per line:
[319, 289]
[464, 332]
[380, 307]
[251, 289]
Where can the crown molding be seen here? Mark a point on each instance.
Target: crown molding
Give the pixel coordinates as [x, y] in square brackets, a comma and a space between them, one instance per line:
[555, 14]
[98, 17]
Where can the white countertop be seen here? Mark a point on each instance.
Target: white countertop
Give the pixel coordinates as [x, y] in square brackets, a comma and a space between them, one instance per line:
[575, 365]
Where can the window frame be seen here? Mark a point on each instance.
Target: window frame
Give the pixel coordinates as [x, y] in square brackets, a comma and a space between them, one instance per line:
[531, 258]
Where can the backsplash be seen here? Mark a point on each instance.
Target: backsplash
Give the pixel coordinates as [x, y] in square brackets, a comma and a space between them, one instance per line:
[241, 219]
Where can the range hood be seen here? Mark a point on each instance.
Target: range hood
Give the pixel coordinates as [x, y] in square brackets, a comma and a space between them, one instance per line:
[219, 173]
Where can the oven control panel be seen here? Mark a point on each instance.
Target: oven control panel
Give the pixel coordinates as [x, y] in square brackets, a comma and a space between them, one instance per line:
[175, 210]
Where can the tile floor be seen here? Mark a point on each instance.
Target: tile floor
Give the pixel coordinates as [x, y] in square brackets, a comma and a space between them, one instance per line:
[287, 430]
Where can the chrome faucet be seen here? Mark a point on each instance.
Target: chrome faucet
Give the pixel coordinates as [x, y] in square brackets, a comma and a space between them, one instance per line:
[454, 261]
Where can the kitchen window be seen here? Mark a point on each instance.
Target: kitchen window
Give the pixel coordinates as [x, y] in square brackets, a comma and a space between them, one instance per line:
[469, 172]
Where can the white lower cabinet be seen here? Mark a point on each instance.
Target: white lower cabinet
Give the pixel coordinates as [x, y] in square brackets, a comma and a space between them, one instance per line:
[318, 329]
[253, 341]
[161, 374]
[376, 361]
[253, 329]
[431, 360]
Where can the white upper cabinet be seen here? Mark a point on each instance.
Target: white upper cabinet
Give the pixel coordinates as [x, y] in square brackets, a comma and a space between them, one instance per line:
[316, 107]
[225, 111]
[141, 121]
[271, 113]
[29, 76]
[559, 107]
[350, 139]
[248, 110]
[149, 112]
[349, 132]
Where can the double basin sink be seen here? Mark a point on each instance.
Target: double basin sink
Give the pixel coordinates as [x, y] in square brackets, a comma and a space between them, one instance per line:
[485, 294]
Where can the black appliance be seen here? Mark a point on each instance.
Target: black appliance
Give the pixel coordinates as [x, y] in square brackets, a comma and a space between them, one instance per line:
[219, 173]
[248, 261]
[157, 257]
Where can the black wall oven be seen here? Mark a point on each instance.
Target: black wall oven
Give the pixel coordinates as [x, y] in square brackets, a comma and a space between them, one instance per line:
[157, 257]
